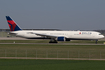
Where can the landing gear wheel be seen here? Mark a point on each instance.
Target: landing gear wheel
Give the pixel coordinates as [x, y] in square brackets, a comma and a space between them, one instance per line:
[53, 42]
[96, 41]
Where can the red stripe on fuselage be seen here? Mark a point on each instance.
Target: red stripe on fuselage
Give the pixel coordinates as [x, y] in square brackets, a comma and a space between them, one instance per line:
[12, 23]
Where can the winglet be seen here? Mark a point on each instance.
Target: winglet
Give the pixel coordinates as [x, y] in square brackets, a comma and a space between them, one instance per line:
[12, 25]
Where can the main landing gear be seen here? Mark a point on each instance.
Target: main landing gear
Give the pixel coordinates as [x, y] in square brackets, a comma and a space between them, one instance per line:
[53, 41]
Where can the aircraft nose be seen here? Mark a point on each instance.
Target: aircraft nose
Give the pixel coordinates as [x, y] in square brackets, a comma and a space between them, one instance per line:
[102, 36]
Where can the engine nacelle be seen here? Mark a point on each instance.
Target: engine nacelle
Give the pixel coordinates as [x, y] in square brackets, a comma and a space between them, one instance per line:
[61, 39]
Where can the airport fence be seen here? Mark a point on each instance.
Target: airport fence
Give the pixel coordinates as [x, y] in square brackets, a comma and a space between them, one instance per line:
[52, 54]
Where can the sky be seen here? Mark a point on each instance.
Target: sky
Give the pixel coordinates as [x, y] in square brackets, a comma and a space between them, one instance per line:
[54, 14]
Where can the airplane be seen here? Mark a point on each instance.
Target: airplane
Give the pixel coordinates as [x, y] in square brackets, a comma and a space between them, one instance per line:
[54, 36]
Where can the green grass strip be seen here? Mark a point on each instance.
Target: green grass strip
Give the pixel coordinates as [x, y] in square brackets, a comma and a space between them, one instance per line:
[16, 64]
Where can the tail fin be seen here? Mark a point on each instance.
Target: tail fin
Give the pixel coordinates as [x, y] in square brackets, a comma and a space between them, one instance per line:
[12, 25]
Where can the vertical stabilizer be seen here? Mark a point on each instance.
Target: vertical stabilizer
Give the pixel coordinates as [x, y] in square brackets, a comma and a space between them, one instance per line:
[12, 25]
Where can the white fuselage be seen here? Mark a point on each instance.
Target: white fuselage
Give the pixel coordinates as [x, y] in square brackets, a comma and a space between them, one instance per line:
[77, 35]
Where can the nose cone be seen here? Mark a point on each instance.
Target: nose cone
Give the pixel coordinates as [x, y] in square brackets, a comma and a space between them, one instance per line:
[102, 36]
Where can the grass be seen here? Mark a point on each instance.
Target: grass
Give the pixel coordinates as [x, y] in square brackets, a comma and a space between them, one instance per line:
[47, 41]
[24, 41]
[17, 64]
[52, 51]
[3, 34]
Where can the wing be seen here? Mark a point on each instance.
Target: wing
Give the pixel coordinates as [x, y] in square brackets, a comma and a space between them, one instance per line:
[45, 35]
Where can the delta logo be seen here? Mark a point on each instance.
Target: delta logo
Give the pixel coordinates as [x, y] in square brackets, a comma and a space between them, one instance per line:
[12, 25]
[86, 33]
[79, 32]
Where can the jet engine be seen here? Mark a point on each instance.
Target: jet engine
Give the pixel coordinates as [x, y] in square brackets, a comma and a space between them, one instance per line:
[62, 39]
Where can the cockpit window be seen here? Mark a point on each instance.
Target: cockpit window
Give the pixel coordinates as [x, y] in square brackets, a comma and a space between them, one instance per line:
[100, 34]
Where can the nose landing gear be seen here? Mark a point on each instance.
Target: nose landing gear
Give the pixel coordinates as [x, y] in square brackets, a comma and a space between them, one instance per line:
[96, 41]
